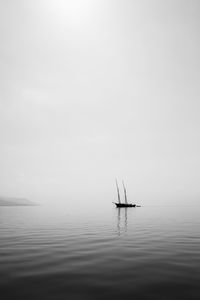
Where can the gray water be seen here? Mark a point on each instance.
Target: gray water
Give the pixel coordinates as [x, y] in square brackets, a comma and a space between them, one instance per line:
[150, 252]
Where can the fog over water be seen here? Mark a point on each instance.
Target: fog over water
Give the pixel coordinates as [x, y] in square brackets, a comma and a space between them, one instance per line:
[94, 90]
[90, 91]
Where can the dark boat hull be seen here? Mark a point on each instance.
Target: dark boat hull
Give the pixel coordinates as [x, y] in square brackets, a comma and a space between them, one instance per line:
[125, 205]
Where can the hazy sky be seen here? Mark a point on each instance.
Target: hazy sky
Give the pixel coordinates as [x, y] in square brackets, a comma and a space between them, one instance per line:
[91, 90]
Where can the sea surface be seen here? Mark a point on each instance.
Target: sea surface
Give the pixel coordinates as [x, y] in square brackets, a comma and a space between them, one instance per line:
[151, 252]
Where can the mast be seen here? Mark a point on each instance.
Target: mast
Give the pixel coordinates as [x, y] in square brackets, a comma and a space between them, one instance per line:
[125, 196]
[118, 194]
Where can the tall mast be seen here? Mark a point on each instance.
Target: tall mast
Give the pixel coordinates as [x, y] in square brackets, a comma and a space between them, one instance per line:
[118, 194]
[125, 196]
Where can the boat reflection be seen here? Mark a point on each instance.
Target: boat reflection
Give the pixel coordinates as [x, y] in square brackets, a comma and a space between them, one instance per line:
[122, 220]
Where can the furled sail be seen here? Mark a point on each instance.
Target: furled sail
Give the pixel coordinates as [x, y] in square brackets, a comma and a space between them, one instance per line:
[118, 194]
[125, 195]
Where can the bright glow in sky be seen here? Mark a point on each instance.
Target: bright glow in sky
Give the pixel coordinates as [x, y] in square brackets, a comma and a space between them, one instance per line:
[93, 90]
[69, 13]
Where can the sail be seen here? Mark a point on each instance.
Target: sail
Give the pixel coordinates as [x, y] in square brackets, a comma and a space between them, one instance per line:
[125, 195]
[118, 194]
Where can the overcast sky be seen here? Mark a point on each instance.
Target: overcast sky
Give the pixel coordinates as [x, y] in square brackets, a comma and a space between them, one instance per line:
[92, 90]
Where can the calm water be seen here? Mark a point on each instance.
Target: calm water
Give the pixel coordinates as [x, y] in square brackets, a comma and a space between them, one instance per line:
[138, 253]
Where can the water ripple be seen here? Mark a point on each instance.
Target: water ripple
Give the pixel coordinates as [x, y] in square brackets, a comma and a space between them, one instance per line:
[120, 254]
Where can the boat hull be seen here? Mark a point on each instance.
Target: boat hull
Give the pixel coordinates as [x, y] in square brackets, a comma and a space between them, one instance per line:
[125, 205]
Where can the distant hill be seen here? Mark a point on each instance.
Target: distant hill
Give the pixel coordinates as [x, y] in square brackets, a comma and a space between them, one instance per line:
[12, 201]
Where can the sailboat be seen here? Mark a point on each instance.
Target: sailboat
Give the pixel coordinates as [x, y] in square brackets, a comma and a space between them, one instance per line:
[125, 204]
